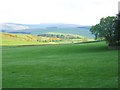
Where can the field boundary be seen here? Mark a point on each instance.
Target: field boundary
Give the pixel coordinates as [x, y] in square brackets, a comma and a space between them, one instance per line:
[52, 44]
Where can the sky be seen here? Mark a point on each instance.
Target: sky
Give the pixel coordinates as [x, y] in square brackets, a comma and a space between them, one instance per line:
[82, 12]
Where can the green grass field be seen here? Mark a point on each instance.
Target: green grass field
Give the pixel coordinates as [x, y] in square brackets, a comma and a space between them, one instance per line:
[90, 65]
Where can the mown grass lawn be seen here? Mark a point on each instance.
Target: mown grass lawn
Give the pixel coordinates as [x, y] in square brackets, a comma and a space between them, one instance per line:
[60, 66]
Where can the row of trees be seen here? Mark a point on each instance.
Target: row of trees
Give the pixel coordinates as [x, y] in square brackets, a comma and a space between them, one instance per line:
[108, 29]
[62, 36]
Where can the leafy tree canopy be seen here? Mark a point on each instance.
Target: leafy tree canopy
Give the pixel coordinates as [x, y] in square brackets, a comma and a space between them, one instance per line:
[108, 29]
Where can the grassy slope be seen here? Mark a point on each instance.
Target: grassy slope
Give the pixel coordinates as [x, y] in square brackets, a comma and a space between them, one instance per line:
[85, 66]
[27, 39]
[21, 39]
[15, 39]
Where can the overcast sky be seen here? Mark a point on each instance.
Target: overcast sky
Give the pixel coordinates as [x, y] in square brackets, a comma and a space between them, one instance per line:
[83, 12]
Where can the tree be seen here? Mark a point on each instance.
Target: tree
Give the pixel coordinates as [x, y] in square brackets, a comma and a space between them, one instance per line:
[105, 29]
[117, 29]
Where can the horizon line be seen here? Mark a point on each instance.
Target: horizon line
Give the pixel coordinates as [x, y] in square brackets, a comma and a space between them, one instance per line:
[43, 23]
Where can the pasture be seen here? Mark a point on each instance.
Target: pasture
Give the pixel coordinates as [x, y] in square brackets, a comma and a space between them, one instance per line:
[90, 65]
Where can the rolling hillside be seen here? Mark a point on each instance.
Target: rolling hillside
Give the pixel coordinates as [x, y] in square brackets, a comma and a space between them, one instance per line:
[46, 33]
[28, 39]
[23, 39]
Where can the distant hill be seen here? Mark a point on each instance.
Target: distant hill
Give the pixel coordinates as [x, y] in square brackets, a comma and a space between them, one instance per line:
[80, 31]
[43, 28]
[16, 26]
[13, 27]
